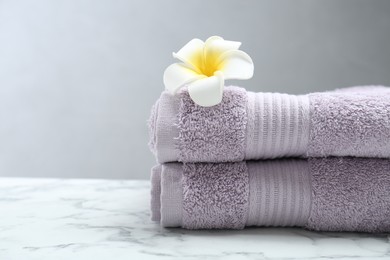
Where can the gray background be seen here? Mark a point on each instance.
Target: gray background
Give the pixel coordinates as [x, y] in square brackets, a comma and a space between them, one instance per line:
[78, 78]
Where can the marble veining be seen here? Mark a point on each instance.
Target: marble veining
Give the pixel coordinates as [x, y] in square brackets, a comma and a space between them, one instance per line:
[110, 219]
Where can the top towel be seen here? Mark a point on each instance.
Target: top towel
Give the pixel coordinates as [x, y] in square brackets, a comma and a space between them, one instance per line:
[351, 121]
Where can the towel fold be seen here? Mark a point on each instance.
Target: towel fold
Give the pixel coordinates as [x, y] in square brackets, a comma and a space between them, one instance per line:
[326, 194]
[249, 126]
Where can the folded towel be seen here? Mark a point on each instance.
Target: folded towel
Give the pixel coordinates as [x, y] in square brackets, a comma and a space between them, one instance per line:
[249, 126]
[327, 194]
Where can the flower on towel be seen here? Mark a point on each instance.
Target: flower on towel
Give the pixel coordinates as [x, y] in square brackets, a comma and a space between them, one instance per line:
[205, 66]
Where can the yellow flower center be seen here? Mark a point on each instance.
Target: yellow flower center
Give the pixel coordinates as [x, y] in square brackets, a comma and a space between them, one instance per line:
[206, 64]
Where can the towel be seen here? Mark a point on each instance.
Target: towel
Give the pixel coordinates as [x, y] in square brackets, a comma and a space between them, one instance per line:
[323, 194]
[352, 121]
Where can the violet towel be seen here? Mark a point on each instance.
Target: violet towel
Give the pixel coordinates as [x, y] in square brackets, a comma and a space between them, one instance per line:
[325, 194]
[353, 121]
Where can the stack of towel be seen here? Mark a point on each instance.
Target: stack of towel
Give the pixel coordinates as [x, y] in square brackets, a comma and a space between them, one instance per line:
[319, 161]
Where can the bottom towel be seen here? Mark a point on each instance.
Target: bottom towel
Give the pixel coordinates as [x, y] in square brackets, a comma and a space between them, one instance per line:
[324, 194]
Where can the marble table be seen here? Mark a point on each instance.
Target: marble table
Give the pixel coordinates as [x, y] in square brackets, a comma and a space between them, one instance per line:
[109, 219]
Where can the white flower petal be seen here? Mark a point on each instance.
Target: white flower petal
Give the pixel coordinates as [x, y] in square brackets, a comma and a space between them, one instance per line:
[207, 92]
[213, 38]
[177, 75]
[215, 46]
[218, 44]
[191, 54]
[236, 64]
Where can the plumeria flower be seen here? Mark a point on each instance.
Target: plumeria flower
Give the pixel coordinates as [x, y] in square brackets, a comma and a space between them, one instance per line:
[205, 66]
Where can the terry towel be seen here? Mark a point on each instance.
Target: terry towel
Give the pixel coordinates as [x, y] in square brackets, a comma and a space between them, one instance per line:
[324, 194]
[353, 121]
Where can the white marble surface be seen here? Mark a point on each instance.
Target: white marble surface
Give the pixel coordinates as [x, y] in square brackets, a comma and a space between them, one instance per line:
[106, 219]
